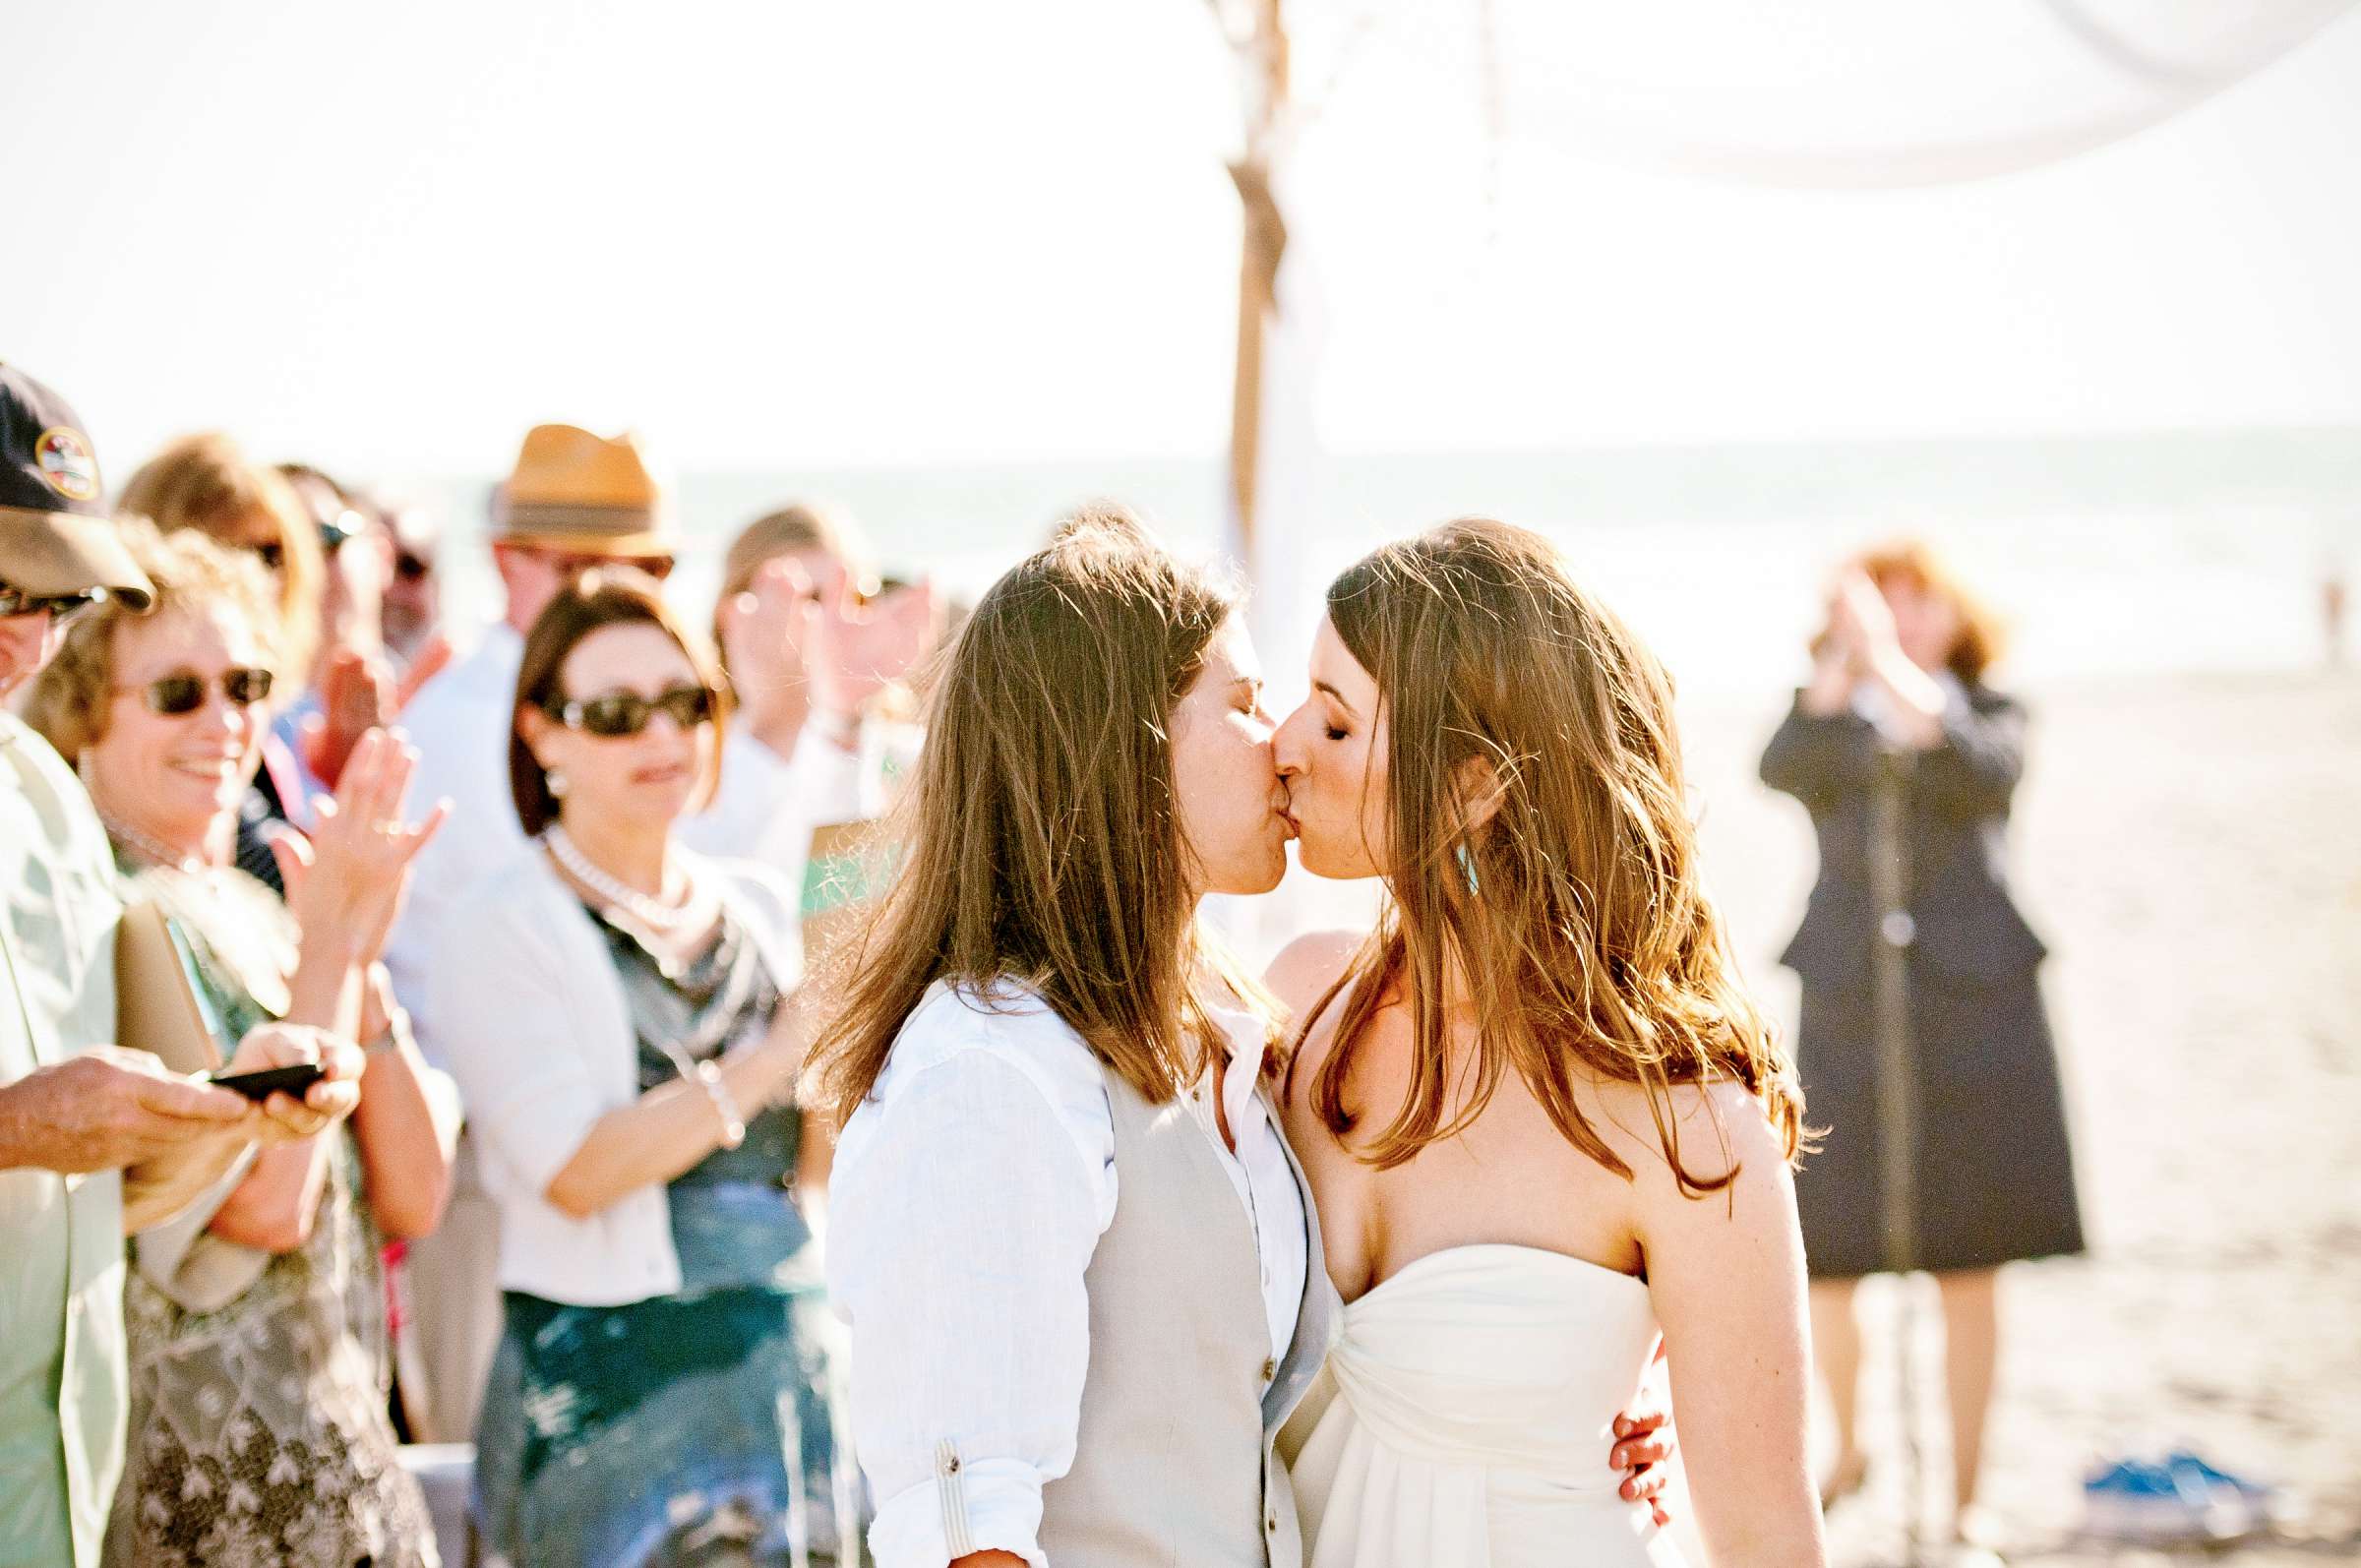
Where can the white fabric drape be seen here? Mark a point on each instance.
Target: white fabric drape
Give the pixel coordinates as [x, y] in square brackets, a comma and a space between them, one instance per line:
[1836, 94]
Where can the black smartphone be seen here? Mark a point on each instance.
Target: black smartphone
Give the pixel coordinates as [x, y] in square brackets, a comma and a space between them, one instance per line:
[261, 1086]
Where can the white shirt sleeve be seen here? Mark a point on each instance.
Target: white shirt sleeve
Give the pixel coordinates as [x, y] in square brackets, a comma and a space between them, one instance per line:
[968, 1196]
[514, 1044]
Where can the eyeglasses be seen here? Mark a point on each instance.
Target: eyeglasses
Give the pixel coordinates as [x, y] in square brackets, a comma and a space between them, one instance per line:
[335, 534]
[62, 607]
[341, 530]
[568, 563]
[183, 690]
[619, 713]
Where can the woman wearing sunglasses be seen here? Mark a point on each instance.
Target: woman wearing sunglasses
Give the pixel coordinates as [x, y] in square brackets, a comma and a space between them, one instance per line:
[612, 1005]
[257, 1322]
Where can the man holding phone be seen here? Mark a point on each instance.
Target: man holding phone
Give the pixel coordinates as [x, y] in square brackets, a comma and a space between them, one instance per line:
[95, 1141]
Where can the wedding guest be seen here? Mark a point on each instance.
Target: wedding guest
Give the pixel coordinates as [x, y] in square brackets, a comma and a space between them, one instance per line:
[356, 559]
[815, 652]
[95, 1141]
[353, 685]
[574, 500]
[207, 483]
[256, 1320]
[1898, 684]
[613, 1007]
[413, 604]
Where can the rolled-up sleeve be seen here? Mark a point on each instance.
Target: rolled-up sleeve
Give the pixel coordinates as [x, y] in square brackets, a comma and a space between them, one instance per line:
[966, 1206]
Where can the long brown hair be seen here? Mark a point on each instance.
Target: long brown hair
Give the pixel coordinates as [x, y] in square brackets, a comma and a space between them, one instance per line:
[603, 596]
[1039, 839]
[1574, 912]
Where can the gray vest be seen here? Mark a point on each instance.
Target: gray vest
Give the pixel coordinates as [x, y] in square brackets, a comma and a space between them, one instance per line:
[1173, 1464]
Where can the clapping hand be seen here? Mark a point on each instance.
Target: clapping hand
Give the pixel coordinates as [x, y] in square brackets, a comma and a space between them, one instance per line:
[863, 649]
[772, 630]
[359, 692]
[345, 881]
[1859, 618]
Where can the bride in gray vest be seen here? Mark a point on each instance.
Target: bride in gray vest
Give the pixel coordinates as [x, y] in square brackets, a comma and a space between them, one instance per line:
[1079, 1261]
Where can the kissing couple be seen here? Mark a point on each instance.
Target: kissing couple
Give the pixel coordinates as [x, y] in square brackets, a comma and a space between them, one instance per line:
[1363, 1264]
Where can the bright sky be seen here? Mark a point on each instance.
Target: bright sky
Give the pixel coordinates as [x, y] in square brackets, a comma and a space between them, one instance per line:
[799, 234]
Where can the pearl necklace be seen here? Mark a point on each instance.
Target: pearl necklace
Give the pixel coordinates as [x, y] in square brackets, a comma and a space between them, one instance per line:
[654, 914]
[149, 849]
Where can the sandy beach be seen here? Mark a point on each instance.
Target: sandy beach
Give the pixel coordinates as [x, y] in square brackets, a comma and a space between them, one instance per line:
[2190, 848]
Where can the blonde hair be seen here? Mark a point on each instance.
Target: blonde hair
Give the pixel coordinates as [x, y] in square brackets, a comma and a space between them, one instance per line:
[1574, 911]
[206, 483]
[68, 702]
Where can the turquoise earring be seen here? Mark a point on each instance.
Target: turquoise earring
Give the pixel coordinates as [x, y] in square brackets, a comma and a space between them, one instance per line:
[1466, 868]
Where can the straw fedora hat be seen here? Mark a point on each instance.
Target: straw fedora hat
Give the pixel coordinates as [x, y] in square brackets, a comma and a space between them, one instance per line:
[573, 490]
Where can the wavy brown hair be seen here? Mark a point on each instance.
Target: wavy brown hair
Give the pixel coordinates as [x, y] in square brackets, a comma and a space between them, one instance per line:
[1039, 838]
[1574, 912]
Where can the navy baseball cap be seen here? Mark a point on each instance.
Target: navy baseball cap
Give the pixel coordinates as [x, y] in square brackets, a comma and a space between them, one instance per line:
[56, 538]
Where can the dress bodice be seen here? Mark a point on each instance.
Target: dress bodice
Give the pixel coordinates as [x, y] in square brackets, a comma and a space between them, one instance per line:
[1475, 1393]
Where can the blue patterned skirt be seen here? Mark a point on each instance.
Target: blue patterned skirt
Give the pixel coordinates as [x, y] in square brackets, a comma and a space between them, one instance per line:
[703, 1427]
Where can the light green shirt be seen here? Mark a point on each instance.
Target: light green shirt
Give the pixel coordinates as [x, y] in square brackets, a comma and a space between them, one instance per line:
[62, 1379]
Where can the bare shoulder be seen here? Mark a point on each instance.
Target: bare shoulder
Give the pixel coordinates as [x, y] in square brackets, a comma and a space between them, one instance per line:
[1719, 1132]
[1307, 966]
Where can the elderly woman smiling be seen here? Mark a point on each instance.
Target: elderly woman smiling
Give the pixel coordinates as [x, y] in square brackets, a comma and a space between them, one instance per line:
[257, 1324]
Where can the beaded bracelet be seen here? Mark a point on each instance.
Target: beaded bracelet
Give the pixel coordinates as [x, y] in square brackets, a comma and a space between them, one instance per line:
[733, 1126]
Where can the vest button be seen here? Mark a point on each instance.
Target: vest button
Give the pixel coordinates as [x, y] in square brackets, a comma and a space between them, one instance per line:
[1270, 1369]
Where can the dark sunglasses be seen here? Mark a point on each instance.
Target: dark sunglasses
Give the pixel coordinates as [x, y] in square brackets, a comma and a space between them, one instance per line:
[183, 690]
[62, 607]
[335, 534]
[619, 713]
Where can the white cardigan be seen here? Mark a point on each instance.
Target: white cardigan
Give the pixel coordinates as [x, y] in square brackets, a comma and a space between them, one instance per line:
[537, 1029]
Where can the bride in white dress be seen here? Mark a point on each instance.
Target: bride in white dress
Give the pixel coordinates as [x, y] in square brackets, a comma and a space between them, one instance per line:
[1542, 1118]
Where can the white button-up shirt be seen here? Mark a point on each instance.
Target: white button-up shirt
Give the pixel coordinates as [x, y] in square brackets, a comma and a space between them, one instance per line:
[969, 1192]
[459, 722]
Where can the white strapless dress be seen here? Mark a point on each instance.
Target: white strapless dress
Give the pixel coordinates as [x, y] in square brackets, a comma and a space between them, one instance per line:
[1474, 1402]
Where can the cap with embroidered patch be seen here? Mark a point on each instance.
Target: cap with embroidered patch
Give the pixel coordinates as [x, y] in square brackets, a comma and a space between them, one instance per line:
[56, 537]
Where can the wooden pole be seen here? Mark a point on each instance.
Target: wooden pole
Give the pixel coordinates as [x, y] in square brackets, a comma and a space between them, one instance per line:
[1263, 54]
[1890, 874]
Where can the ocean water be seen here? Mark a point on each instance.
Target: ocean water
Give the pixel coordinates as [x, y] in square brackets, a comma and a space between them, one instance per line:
[2110, 554]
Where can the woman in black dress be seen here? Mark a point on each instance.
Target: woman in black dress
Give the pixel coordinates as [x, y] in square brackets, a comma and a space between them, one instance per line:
[1897, 684]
